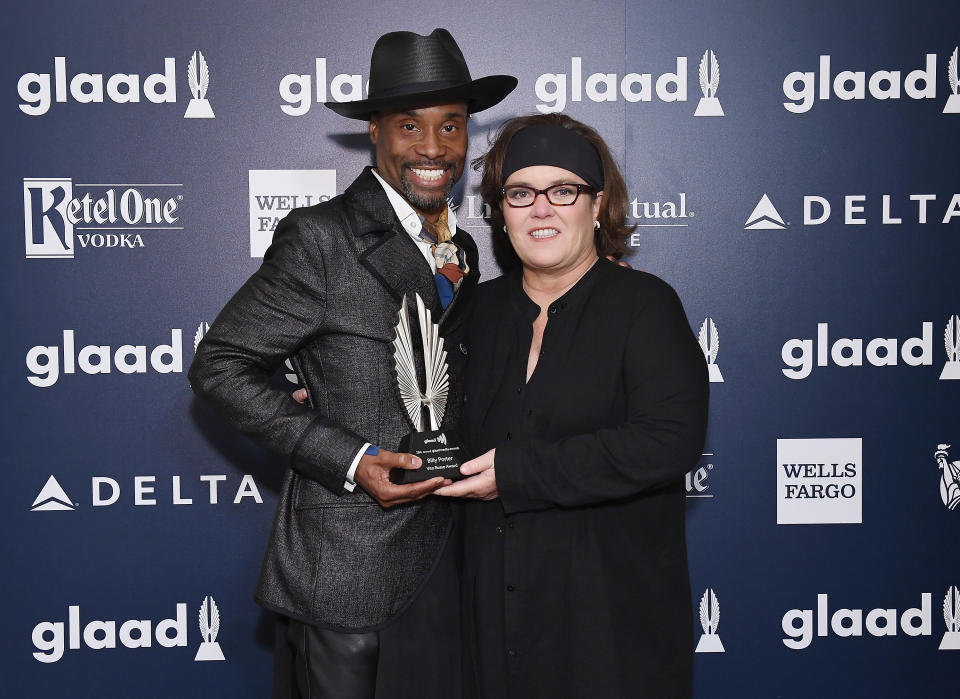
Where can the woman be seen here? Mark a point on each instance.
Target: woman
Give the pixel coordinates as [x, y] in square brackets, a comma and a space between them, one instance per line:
[588, 402]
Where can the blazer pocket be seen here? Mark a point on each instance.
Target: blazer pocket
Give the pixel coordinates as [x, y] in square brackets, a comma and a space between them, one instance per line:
[310, 495]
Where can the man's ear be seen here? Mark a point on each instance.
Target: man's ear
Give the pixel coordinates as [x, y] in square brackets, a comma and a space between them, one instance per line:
[374, 128]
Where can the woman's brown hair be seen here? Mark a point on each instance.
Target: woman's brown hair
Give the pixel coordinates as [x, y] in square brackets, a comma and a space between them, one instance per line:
[612, 235]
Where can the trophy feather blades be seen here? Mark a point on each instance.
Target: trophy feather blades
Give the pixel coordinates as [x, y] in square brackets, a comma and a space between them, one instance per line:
[407, 368]
[704, 616]
[951, 338]
[714, 74]
[214, 620]
[951, 609]
[204, 627]
[709, 340]
[714, 612]
[435, 366]
[204, 76]
[192, 76]
[702, 73]
[952, 72]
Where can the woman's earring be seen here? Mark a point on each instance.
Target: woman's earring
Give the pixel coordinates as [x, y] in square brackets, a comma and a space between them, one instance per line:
[596, 225]
[504, 228]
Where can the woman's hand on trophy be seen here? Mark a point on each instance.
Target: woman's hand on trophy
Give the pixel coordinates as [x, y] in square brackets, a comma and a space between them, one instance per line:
[481, 483]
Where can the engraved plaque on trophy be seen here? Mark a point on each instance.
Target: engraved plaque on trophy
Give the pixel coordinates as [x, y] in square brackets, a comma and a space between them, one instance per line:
[439, 450]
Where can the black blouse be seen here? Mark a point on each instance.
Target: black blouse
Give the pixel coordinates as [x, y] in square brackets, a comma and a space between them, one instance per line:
[576, 579]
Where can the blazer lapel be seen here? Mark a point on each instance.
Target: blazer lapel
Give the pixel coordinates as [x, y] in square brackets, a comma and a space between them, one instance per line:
[384, 248]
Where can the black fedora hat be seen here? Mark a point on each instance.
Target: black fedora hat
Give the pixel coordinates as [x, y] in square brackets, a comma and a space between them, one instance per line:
[407, 69]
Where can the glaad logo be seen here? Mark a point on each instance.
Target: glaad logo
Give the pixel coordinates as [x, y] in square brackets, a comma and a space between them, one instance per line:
[106, 492]
[45, 366]
[951, 617]
[53, 638]
[297, 90]
[951, 341]
[953, 101]
[552, 88]
[40, 90]
[52, 498]
[198, 78]
[709, 105]
[798, 355]
[115, 216]
[209, 628]
[949, 477]
[804, 88]
[709, 619]
[439, 439]
[820, 481]
[764, 217]
[798, 624]
[696, 480]
[273, 193]
[710, 344]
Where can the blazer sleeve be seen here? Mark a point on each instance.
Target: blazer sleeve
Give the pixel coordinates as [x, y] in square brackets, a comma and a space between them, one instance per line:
[272, 315]
[660, 440]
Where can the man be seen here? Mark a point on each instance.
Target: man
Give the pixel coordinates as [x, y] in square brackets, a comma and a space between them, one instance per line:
[369, 588]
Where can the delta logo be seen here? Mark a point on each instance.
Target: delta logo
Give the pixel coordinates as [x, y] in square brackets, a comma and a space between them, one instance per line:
[52, 639]
[150, 491]
[859, 210]
[39, 92]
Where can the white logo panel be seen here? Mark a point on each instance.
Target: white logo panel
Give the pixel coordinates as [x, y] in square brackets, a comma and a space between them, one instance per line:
[274, 193]
[819, 481]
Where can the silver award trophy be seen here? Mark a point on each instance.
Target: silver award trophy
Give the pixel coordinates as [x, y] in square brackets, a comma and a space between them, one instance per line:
[439, 450]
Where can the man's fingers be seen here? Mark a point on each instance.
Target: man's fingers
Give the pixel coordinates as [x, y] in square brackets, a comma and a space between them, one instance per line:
[391, 459]
[300, 395]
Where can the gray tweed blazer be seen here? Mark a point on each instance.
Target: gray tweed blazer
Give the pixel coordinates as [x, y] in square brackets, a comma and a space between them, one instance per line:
[327, 295]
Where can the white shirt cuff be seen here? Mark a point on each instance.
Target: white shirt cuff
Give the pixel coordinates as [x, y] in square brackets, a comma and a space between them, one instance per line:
[350, 484]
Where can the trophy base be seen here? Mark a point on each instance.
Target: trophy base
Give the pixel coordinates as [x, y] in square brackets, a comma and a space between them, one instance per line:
[952, 106]
[715, 375]
[710, 643]
[951, 370]
[199, 109]
[708, 107]
[440, 452]
[951, 641]
[209, 651]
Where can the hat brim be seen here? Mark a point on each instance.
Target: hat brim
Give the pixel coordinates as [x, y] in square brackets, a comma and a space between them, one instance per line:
[479, 94]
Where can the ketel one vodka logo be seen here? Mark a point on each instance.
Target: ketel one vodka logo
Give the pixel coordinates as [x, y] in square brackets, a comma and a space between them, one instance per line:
[39, 91]
[710, 344]
[709, 620]
[949, 477]
[709, 73]
[951, 617]
[101, 216]
[209, 628]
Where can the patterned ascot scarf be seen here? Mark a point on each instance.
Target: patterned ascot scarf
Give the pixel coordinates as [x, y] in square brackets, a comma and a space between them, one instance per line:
[451, 261]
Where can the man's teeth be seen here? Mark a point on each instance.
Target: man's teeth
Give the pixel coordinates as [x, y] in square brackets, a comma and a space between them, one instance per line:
[427, 174]
[545, 233]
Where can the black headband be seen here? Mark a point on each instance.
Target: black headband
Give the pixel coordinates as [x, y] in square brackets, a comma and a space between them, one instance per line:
[552, 144]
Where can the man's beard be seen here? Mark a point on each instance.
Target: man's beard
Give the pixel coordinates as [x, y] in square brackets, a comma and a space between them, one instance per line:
[434, 201]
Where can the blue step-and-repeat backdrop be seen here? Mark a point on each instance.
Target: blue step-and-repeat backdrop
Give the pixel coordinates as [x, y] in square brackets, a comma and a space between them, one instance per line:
[794, 171]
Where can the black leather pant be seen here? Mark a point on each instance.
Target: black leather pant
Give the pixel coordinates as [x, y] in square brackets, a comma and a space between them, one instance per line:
[333, 665]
